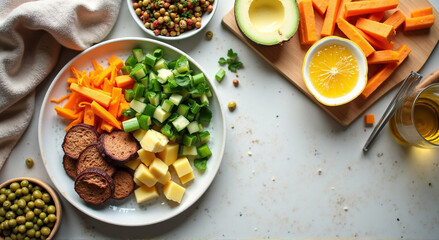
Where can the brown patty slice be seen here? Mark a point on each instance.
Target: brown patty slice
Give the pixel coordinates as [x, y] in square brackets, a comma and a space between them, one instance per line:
[94, 185]
[69, 166]
[123, 184]
[90, 157]
[118, 147]
[78, 138]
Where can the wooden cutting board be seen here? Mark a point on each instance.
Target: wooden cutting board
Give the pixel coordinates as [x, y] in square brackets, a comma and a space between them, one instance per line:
[288, 59]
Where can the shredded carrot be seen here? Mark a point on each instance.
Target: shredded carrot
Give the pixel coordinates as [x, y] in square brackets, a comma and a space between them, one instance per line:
[380, 31]
[369, 119]
[368, 7]
[59, 100]
[320, 6]
[65, 113]
[330, 18]
[396, 19]
[101, 112]
[422, 12]
[78, 120]
[354, 34]
[382, 57]
[417, 23]
[385, 72]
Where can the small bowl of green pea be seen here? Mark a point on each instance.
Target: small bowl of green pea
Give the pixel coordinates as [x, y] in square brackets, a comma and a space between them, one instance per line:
[29, 209]
[172, 19]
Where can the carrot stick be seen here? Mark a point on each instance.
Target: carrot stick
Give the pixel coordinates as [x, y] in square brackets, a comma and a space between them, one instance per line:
[377, 17]
[92, 94]
[65, 113]
[72, 80]
[377, 30]
[385, 72]
[369, 119]
[320, 6]
[396, 19]
[382, 57]
[105, 115]
[96, 66]
[122, 106]
[106, 127]
[107, 86]
[78, 120]
[89, 116]
[377, 44]
[125, 81]
[422, 12]
[104, 74]
[368, 7]
[71, 102]
[342, 9]
[116, 62]
[330, 18]
[59, 100]
[309, 25]
[417, 23]
[354, 34]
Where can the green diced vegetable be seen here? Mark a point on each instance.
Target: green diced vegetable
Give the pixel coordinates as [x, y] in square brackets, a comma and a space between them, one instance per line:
[182, 65]
[173, 117]
[220, 74]
[154, 98]
[144, 121]
[189, 140]
[176, 98]
[204, 151]
[193, 127]
[138, 54]
[180, 123]
[126, 70]
[195, 108]
[131, 61]
[160, 64]
[163, 75]
[188, 150]
[149, 109]
[129, 94]
[167, 105]
[204, 100]
[137, 106]
[158, 53]
[154, 85]
[205, 115]
[200, 163]
[199, 78]
[139, 89]
[160, 114]
[171, 64]
[130, 113]
[150, 60]
[167, 131]
[130, 125]
[183, 109]
[204, 137]
[145, 81]
[190, 116]
[138, 72]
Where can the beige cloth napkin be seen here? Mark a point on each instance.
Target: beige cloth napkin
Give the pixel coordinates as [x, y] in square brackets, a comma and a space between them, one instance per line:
[31, 36]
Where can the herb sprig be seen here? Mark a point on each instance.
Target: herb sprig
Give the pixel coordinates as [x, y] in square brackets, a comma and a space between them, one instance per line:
[232, 61]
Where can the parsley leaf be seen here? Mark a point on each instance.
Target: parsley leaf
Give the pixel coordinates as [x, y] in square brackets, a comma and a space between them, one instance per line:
[232, 61]
[222, 61]
[235, 65]
[232, 54]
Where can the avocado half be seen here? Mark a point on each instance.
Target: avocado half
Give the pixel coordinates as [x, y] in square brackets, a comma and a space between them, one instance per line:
[267, 22]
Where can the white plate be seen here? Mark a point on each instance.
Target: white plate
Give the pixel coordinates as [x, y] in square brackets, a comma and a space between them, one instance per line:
[205, 19]
[123, 212]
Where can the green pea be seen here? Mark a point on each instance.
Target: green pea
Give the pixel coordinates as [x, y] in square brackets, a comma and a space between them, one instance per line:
[12, 223]
[20, 211]
[46, 198]
[30, 232]
[27, 209]
[24, 191]
[37, 194]
[31, 204]
[5, 225]
[52, 217]
[37, 234]
[40, 222]
[50, 225]
[2, 219]
[20, 235]
[29, 225]
[37, 211]
[10, 215]
[7, 204]
[11, 196]
[2, 198]
[24, 183]
[39, 203]
[45, 231]
[14, 207]
[51, 209]
[14, 186]
[21, 203]
[29, 162]
[43, 215]
[26, 238]
[3, 191]
[46, 220]
[36, 226]
[27, 197]
[2, 212]
[15, 229]
[30, 186]
[30, 215]
[21, 219]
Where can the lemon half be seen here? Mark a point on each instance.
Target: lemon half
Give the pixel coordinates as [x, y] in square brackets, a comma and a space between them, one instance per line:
[335, 71]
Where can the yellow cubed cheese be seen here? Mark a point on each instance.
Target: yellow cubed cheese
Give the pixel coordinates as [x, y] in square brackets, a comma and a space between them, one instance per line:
[138, 182]
[154, 141]
[158, 168]
[143, 174]
[173, 191]
[186, 178]
[182, 166]
[163, 180]
[145, 156]
[133, 163]
[145, 193]
[138, 134]
[169, 154]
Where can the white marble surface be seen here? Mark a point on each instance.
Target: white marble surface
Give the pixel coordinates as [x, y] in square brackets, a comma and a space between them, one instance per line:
[390, 192]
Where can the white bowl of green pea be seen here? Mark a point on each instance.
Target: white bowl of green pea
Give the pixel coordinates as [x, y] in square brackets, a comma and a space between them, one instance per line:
[29, 208]
[172, 20]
